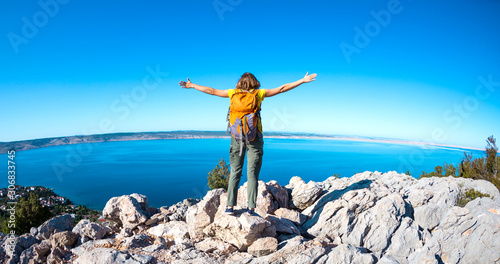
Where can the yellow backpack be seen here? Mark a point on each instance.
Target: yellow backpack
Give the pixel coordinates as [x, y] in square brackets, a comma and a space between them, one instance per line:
[243, 115]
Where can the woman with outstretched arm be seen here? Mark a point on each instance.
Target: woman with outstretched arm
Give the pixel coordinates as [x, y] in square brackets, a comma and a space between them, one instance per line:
[246, 130]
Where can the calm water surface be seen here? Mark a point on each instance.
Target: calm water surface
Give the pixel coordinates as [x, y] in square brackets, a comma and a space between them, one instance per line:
[167, 171]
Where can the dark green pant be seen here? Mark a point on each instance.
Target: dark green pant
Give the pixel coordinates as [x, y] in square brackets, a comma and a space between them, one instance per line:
[255, 151]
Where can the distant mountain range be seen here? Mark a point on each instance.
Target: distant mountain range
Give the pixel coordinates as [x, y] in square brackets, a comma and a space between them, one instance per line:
[56, 141]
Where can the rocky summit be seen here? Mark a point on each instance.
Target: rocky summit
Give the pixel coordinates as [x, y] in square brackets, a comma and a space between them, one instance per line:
[371, 217]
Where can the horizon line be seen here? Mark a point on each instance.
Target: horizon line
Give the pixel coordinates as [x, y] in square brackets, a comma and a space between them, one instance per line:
[298, 135]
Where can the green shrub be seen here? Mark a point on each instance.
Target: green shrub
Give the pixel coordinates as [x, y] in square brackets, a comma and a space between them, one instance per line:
[219, 176]
[482, 168]
[468, 196]
[448, 169]
[486, 168]
[28, 213]
[491, 163]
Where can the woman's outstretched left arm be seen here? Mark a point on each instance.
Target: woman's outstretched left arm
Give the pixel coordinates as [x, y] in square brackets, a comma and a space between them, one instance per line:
[289, 86]
[205, 89]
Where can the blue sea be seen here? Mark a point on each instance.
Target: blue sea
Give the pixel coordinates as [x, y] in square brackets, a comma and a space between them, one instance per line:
[168, 171]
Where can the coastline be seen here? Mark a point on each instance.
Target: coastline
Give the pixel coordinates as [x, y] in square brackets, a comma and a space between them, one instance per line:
[113, 137]
[388, 141]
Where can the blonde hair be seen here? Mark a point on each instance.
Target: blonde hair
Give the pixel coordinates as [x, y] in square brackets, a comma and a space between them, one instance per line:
[248, 82]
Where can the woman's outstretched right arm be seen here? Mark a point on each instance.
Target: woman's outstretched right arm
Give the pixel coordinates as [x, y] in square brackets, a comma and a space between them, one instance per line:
[205, 89]
[289, 86]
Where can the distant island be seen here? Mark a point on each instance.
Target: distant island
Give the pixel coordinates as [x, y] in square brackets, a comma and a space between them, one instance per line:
[79, 139]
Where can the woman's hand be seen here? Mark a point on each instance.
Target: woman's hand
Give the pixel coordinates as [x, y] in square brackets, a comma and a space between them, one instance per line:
[187, 84]
[308, 78]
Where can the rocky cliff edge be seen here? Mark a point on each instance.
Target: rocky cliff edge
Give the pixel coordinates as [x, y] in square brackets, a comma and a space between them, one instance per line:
[368, 218]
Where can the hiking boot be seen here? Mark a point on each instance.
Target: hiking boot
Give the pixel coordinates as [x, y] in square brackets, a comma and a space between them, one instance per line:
[229, 211]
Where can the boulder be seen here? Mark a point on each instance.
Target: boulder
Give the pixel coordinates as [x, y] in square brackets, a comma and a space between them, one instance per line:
[283, 225]
[126, 232]
[240, 230]
[374, 227]
[407, 239]
[470, 234]
[344, 185]
[285, 240]
[192, 255]
[40, 251]
[14, 246]
[485, 209]
[346, 253]
[127, 211]
[156, 218]
[239, 257]
[359, 218]
[54, 225]
[145, 259]
[27, 255]
[429, 215]
[390, 182]
[431, 198]
[108, 256]
[304, 194]
[89, 245]
[294, 181]
[279, 194]
[64, 239]
[215, 246]
[265, 202]
[177, 212]
[177, 230]
[142, 200]
[389, 259]
[202, 214]
[292, 215]
[333, 183]
[91, 230]
[263, 246]
[135, 241]
[428, 254]
[297, 251]
[154, 248]
[336, 214]
[59, 256]
[34, 231]
[482, 186]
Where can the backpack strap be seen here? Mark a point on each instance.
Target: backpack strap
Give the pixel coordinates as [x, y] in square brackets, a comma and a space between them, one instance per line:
[247, 91]
[241, 137]
[227, 120]
[247, 127]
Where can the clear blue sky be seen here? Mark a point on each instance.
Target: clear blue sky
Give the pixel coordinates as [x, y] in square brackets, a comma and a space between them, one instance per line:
[77, 67]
